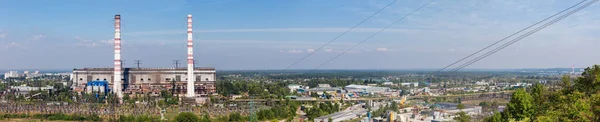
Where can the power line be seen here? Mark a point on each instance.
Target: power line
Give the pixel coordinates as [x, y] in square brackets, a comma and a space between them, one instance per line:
[344, 33]
[368, 38]
[138, 62]
[523, 36]
[511, 35]
[176, 62]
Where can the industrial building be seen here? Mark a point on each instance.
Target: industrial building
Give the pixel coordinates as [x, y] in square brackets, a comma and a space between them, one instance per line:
[366, 89]
[149, 80]
[193, 82]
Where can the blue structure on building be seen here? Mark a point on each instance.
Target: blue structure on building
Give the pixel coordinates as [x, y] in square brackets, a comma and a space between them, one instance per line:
[99, 86]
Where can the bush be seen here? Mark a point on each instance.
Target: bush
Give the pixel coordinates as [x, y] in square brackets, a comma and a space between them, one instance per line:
[186, 117]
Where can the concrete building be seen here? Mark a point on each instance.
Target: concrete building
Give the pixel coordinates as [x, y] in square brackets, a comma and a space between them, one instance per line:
[191, 81]
[294, 87]
[388, 84]
[367, 89]
[149, 80]
[33, 75]
[23, 90]
[11, 74]
[413, 84]
[323, 85]
[328, 90]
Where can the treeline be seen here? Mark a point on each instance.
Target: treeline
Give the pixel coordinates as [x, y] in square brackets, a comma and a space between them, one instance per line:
[285, 110]
[58, 116]
[321, 109]
[576, 101]
[254, 89]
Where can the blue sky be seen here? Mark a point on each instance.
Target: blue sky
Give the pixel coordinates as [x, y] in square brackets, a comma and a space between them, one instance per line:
[272, 34]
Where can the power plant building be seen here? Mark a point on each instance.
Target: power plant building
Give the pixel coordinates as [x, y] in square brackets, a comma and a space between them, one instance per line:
[199, 81]
[149, 80]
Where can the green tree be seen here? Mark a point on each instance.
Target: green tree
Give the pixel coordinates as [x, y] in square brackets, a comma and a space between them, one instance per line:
[566, 81]
[496, 117]
[186, 117]
[205, 118]
[235, 117]
[462, 117]
[538, 93]
[589, 82]
[520, 105]
[460, 106]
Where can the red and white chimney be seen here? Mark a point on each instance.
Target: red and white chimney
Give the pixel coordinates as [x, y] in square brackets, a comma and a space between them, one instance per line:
[190, 59]
[117, 70]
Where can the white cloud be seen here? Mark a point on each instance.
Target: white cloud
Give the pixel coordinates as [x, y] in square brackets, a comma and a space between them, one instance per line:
[2, 36]
[291, 51]
[310, 50]
[109, 41]
[38, 37]
[91, 43]
[382, 49]
[295, 51]
[11, 44]
[328, 50]
[451, 49]
[86, 43]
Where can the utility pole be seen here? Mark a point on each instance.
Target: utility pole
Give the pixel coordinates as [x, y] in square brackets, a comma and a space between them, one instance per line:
[176, 63]
[137, 62]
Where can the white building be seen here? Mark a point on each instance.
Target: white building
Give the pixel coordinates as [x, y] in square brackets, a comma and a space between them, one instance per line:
[323, 85]
[388, 83]
[33, 75]
[294, 87]
[11, 74]
[413, 84]
[482, 83]
[368, 89]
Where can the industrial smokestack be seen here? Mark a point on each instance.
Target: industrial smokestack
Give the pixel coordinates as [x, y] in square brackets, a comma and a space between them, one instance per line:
[190, 59]
[117, 69]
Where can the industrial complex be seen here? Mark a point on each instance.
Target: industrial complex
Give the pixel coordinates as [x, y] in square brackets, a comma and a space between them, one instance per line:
[192, 82]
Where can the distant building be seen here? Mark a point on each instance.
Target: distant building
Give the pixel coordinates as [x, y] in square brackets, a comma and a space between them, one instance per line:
[11, 74]
[148, 80]
[388, 84]
[367, 89]
[294, 87]
[21, 90]
[328, 90]
[324, 85]
[482, 83]
[33, 75]
[233, 97]
[412, 84]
